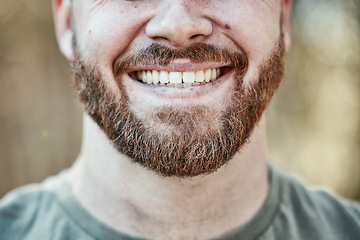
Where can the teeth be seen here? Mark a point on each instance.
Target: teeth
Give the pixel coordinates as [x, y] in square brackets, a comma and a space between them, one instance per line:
[144, 76]
[156, 77]
[187, 85]
[149, 77]
[199, 76]
[217, 72]
[213, 74]
[175, 77]
[139, 74]
[178, 79]
[188, 77]
[164, 77]
[207, 75]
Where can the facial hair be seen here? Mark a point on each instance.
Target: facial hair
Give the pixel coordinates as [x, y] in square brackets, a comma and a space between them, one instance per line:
[189, 149]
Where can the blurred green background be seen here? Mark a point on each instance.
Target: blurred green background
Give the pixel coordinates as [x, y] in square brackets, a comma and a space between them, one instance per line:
[313, 122]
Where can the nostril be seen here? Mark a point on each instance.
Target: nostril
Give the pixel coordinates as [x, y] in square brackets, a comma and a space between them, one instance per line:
[194, 36]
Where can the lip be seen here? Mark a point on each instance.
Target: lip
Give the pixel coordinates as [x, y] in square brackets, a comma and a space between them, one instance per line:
[180, 65]
[180, 93]
[176, 65]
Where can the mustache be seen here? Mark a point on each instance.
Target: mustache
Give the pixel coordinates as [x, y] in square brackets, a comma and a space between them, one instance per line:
[157, 54]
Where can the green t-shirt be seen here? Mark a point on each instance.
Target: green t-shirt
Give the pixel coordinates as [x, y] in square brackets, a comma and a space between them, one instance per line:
[48, 211]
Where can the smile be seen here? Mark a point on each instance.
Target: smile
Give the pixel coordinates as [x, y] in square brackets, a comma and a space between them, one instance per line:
[178, 79]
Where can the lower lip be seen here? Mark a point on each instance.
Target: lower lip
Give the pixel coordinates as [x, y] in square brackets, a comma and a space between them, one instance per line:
[187, 92]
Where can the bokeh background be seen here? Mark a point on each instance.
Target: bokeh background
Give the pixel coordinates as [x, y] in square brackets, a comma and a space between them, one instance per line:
[313, 122]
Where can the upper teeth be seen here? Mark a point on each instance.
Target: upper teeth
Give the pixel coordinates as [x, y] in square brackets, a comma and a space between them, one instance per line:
[178, 79]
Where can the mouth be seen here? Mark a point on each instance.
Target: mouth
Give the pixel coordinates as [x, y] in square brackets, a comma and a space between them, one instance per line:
[179, 79]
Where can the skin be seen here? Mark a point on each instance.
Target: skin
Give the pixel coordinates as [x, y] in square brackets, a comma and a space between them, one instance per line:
[127, 196]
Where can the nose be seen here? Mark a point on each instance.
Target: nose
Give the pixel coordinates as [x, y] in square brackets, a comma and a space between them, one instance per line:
[179, 22]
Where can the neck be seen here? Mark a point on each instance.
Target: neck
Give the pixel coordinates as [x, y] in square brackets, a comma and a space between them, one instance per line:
[138, 202]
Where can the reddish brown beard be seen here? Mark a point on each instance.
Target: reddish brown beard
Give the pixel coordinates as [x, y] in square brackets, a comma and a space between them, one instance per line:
[187, 151]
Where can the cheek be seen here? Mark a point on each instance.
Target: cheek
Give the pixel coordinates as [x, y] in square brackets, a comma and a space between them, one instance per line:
[252, 26]
[107, 31]
[257, 33]
[259, 41]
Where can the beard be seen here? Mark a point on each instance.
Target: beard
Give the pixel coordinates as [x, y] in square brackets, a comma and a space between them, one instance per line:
[196, 141]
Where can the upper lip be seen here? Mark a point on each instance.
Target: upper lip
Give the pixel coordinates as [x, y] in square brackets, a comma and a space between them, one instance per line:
[180, 66]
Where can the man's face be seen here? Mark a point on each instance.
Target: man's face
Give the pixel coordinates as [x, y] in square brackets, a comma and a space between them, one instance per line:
[178, 86]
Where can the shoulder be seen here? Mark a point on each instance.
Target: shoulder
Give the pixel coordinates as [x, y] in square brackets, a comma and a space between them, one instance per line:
[24, 201]
[20, 208]
[320, 202]
[34, 212]
[309, 213]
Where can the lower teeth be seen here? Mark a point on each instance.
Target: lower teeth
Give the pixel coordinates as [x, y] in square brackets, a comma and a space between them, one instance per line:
[178, 85]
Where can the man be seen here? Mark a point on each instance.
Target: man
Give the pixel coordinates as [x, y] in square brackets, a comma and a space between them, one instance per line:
[174, 137]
